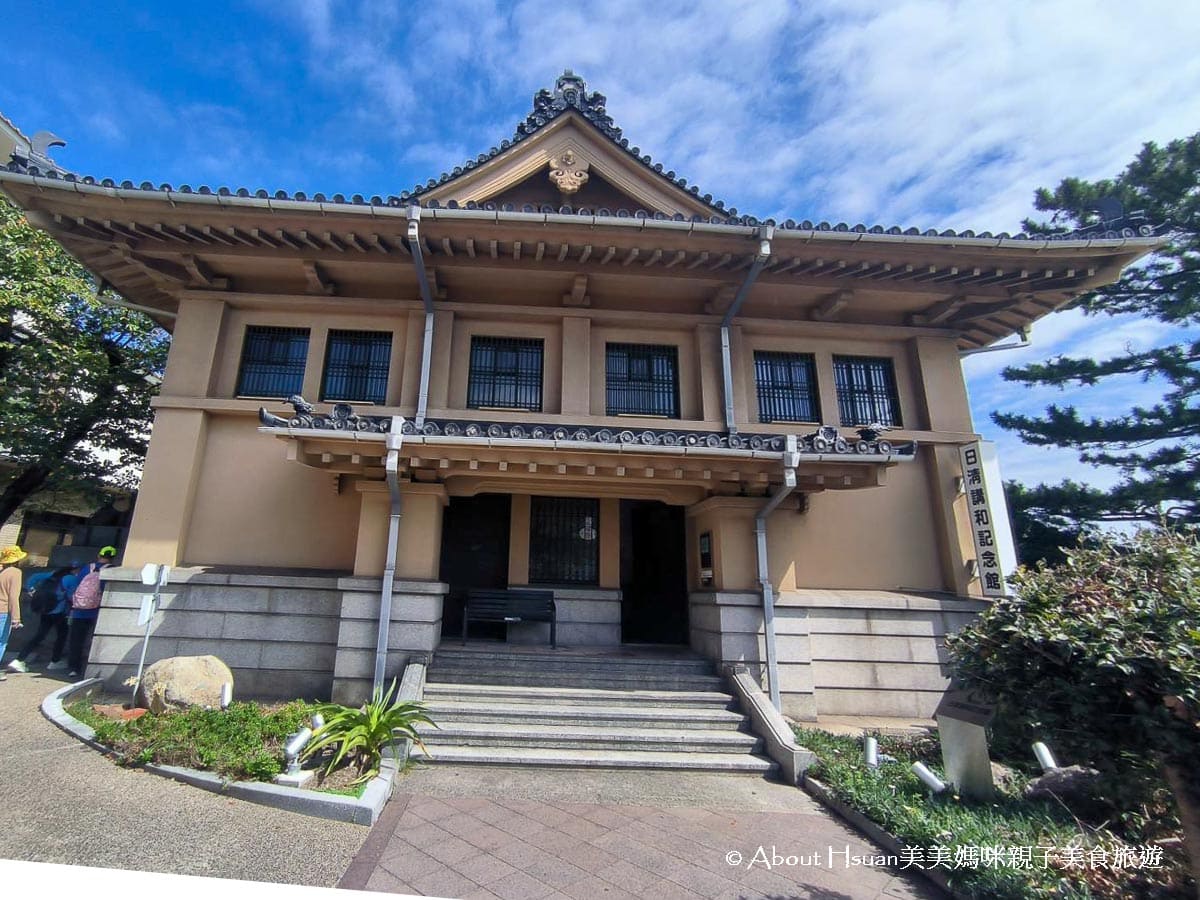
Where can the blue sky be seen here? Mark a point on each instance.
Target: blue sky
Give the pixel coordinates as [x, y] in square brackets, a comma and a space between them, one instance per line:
[913, 112]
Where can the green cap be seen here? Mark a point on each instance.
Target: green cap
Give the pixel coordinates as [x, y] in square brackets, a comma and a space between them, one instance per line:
[108, 551]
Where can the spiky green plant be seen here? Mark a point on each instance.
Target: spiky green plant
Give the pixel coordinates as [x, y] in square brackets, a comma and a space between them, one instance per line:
[361, 735]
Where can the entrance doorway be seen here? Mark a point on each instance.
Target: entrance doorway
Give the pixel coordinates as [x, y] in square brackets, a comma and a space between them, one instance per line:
[653, 573]
[474, 555]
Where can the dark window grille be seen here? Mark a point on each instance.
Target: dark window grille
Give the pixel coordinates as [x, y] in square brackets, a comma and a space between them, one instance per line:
[866, 390]
[272, 361]
[787, 387]
[505, 373]
[564, 540]
[642, 379]
[356, 366]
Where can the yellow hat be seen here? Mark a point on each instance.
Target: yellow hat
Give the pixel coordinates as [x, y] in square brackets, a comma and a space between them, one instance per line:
[10, 555]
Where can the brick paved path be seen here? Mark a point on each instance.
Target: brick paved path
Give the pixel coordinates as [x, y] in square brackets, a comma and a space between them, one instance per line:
[511, 846]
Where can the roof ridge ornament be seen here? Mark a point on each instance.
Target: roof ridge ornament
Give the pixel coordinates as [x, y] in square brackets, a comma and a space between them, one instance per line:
[568, 172]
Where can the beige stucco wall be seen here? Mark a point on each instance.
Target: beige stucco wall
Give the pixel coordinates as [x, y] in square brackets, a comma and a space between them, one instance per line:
[214, 487]
[254, 508]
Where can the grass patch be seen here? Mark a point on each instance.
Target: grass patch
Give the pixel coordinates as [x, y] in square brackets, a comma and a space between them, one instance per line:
[893, 798]
[243, 742]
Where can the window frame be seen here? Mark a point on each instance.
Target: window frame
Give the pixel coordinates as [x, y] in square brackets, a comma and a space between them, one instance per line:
[274, 336]
[523, 377]
[869, 389]
[622, 389]
[377, 380]
[559, 558]
[786, 395]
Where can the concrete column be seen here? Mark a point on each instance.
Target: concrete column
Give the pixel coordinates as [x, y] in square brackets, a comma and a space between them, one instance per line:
[518, 540]
[708, 359]
[741, 391]
[396, 363]
[191, 363]
[410, 381]
[610, 542]
[576, 366]
[314, 364]
[826, 388]
[419, 544]
[944, 406]
[168, 490]
[939, 384]
[439, 374]
[371, 547]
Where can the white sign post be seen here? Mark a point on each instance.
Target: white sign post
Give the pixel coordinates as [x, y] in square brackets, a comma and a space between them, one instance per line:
[991, 534]
[156, 575]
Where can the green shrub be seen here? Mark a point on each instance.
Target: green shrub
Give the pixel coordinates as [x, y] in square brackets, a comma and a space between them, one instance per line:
[359, 736]
[241, 742]
[1100, 657]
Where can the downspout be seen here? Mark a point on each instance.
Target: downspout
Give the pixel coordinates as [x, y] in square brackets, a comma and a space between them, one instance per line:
[791, 459]
[765, 234]
[392, 470]
[414, 244]
[1022, 341]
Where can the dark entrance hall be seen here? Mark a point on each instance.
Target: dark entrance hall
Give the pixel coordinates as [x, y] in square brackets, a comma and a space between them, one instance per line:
[474, 555]
[653, 573]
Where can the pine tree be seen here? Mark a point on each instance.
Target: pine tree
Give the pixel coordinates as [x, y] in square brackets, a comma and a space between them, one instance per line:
[76, 375]
[1156, 449]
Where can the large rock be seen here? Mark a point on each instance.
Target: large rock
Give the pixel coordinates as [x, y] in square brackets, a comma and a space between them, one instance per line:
[1075, 786]
[182, 681]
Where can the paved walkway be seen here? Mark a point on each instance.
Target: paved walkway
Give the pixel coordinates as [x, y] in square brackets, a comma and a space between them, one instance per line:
[547, 835]
[450, 831]
[64, 803]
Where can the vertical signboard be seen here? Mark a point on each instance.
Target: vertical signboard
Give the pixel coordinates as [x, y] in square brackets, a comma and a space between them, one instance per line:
[987, 511]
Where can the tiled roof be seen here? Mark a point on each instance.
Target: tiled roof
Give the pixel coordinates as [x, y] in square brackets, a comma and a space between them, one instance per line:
[571, 93]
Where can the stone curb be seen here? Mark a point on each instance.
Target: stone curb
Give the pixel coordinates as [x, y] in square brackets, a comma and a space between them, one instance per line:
[362, 810]
[888, 842]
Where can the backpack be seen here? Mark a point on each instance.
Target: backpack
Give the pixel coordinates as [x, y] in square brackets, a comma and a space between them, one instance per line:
[87, 593]
[43, 596]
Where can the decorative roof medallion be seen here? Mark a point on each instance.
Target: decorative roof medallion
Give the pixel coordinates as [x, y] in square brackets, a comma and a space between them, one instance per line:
[568, 173]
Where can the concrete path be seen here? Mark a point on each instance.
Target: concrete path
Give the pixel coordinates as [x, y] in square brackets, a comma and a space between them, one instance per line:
[451, 831]
[512, 833]
[64, 803]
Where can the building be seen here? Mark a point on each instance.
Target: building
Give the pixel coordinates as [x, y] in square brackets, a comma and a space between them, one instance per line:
[557, 365]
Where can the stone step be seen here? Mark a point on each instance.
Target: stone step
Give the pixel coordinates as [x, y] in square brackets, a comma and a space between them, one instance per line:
[592, 737]
[603, 680]
[557, 662]
[597, 759]
[551, 696]
[535, 713]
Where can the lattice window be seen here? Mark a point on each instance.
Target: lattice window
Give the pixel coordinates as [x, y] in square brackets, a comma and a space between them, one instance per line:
[787, 387]
[866, 390]
[564, 540]
[356, 366]
[272, 361]
[506, 373]
[642, 379]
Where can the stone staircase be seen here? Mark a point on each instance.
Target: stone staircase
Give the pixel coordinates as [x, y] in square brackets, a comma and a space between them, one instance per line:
[622, 708]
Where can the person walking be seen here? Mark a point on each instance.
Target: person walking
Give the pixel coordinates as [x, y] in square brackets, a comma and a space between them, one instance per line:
[85, 610]
[53, 616]
[10, 595]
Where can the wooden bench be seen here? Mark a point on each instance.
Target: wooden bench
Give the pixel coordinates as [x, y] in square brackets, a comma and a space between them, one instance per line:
[511, 606]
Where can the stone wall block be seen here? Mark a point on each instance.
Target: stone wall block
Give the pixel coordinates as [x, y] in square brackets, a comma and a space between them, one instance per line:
[295, 601]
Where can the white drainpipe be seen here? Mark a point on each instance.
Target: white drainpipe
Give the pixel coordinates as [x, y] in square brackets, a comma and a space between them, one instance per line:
[791, 459]
[392, 469]
[414, 244]
[764, 254]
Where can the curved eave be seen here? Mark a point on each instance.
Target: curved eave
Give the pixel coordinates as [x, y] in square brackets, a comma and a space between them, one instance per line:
[154, 246]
